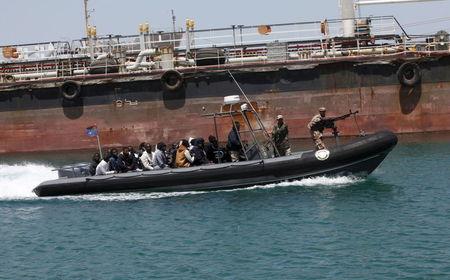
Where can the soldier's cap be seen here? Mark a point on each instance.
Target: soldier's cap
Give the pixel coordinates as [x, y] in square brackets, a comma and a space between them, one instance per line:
[279, 117]
[322, 109]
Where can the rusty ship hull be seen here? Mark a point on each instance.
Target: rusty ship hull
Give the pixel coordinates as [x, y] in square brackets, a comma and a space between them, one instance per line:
[133, 108]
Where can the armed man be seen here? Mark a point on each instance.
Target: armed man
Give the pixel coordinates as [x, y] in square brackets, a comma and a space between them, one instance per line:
[280, 137]
[318, 124]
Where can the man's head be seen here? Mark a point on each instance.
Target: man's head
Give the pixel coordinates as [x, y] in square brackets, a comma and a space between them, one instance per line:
[96, 157]
[280, 119]
[125, 151]
[161, 146]
[322, 111]
[200, 143]
[142, 146]
[114, 152]
[148, 147]
[184, 143]
[212, 139]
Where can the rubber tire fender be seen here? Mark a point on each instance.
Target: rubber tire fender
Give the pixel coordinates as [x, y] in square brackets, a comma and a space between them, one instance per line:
[172, 80]
[70, 90]
[409, 74]
[9, 79]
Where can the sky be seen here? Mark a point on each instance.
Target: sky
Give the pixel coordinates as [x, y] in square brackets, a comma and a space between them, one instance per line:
[29, 21]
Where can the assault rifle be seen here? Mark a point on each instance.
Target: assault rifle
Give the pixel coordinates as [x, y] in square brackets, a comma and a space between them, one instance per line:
[329, 122]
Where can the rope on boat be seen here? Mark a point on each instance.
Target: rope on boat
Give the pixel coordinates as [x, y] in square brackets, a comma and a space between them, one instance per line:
[173, 171]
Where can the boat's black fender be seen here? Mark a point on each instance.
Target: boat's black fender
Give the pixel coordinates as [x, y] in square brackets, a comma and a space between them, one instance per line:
[172, 80]
[10, 79]
[70, 90]
[409, 74]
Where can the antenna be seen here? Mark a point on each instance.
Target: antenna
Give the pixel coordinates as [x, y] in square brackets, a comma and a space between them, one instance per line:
[174, 28]
[173, 21]
[86, 16]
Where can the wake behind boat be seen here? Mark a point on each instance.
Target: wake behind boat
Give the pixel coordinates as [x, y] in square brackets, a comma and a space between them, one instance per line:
[359, 158]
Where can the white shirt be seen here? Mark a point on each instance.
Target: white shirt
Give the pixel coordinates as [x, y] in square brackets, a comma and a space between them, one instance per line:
[146, 160]
[102, 168]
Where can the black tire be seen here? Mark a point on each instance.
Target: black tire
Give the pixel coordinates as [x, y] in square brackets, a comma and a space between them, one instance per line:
[171, 80]
[10, 79]
[70, 90]
[209, 56]
[409, 74]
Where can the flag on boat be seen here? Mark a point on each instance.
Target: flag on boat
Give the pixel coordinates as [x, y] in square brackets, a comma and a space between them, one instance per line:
[92, 131]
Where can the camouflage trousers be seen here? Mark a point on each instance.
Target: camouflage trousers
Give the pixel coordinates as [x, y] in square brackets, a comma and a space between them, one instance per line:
[317, 138]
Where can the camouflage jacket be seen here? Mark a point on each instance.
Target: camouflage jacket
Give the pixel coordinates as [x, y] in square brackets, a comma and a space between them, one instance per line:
[316, 123]
[280, 135]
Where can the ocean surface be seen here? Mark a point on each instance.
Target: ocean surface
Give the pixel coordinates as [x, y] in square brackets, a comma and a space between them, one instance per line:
[395, 224]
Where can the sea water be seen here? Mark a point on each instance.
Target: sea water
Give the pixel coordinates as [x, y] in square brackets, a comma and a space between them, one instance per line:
[395, 224]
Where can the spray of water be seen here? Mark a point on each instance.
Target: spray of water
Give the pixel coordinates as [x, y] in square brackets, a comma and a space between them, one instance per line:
[18, 181]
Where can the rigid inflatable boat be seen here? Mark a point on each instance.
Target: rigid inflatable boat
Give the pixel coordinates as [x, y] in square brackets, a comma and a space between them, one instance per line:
[359, 158]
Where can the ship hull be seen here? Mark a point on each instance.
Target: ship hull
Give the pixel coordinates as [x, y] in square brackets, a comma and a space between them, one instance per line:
[133, 109]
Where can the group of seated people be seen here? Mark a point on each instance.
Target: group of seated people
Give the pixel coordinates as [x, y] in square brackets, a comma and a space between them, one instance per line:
[184, 154]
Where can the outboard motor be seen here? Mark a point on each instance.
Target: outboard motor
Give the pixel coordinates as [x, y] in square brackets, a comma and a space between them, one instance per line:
[73, 171]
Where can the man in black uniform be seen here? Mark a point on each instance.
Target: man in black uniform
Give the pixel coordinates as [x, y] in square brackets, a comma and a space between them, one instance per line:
[234, 144]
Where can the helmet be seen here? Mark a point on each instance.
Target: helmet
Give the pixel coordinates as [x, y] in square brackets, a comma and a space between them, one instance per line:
[322, 109]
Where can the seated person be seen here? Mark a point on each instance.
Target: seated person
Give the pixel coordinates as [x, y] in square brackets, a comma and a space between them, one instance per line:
[94, 163]
[133, 152]
[113, 162]
[198, 152]
[171, 155]
[234, 144]
[146, 157]
[159, 157]
[183, 157]
[213, 152]
[103, 167]
[127, 161]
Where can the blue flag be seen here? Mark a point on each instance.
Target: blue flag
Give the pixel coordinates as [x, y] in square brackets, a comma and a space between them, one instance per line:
[92, 131]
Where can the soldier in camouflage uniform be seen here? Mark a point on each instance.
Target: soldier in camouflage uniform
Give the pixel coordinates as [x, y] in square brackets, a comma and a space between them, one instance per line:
[280, 137]
[316, 127]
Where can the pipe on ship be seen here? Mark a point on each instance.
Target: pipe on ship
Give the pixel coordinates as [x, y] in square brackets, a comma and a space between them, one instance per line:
[247, 59]
[139, 59]
[348, 15]
[50, 74]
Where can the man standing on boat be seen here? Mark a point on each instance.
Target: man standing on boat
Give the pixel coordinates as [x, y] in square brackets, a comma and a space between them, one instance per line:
[234, 143]
[316, 127]
[280, 137]
[320, 122]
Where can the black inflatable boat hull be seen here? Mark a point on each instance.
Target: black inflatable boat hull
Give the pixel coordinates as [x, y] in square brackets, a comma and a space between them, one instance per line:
[359, 158]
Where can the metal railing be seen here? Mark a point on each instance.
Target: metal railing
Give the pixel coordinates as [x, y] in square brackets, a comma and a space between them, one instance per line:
[238, 44]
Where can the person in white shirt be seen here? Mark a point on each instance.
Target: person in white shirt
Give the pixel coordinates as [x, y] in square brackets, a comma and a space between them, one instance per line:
[146, 158]
[103, 167]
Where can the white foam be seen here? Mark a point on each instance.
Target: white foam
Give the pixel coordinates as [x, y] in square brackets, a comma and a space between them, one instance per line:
[328, 182]
[17, 181]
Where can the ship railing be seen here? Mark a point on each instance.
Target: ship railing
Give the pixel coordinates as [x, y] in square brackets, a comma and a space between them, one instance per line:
[249, 44]
[35, 52]
[234, 36]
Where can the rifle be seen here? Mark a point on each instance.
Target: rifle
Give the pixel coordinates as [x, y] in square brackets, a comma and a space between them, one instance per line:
[329, 122]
